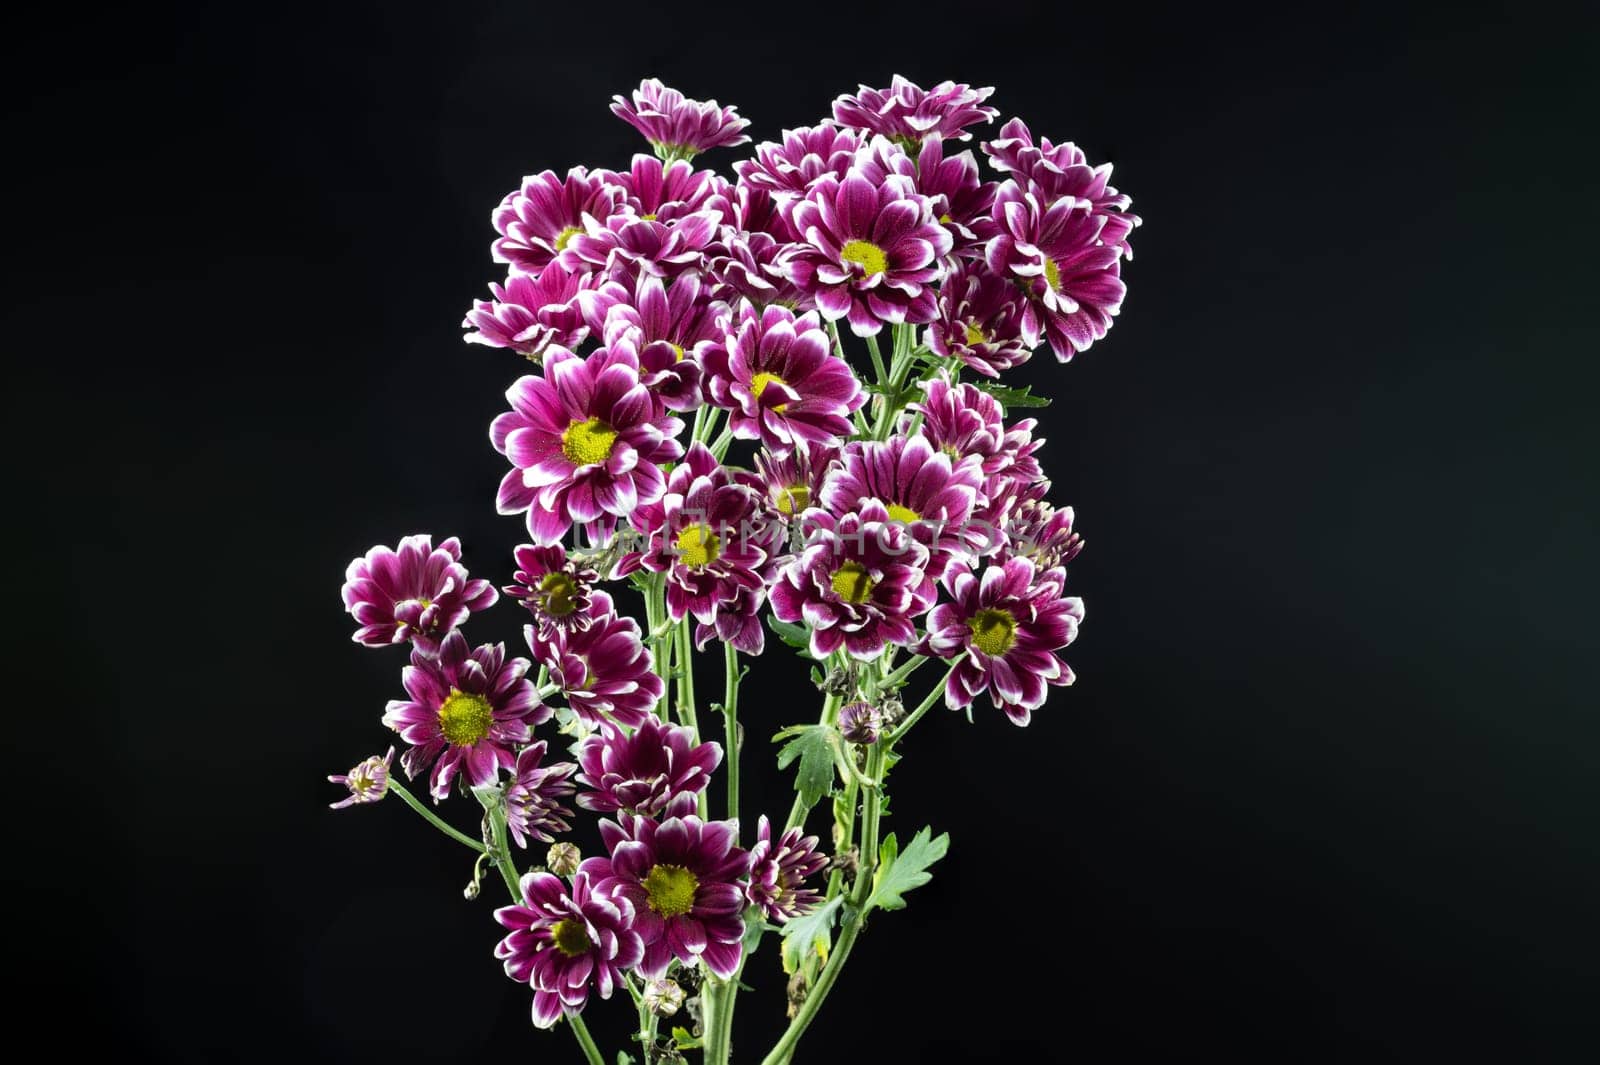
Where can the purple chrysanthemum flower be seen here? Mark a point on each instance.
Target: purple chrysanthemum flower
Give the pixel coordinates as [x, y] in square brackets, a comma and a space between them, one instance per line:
[1062, 171]
[531, 312]
[792, 483]
[960, 199]
[665, 192]
[871, 253]
[467, 712]
[1040, 532]
[664, 323]
[625, 245]
[534, 794]
[368, 782]
[789, 169]
[678, 126]
[1004, 630]
[738, 623]
[779, 870]
[554, 587]
[684, 877]
[563, 943]
[414, 592]
[779, 379]
[962, 420]
[707, 536]
[926, 491]
[756, 267]
[1071, 277]
[537, 221]
[909, 113]
[584, 439]
[604, 669]
[657, 771]
[980, 321]
[858, 584]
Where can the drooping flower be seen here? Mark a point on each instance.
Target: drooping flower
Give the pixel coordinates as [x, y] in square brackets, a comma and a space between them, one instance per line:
[909, 112]
[678, 126]
[585, 439]
[537, 221]
[625, 245]
[554, 587]
[414, 592]
[664, 323]
[858, 584]
[562, 943]
[963, 420]
[685, 879]
[980, 321]
[1071, 277]
[604, 668]
[531, 312]
[779, 379]
[534, 794]
[656, 771]
[860, 722]
[1062, 171]
[789, 169]
[779, 870]
[928, 492]
[871, 252]
[466, 712]
[739, 623]
[368, 782]
[1040, 532]
[1003, 630]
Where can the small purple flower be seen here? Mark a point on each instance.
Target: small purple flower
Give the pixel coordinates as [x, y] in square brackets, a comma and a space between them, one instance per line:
[466, 713]
[538, 220]
[533, 797]
[1071, 276]
[789, 169]
[531, 312]
[664, 323]
[778, 377]
[604, 669]
[553, 587]
[792, 483]
[657, 771]
[755, 266]
[1003, 631]
[678, 126]
[963, 420]
[960, 199]
[858, 584]
[414, 592]
[980, 321]
[738, 623]
[368, 782]
[665, 192]
[563, 943]
[1039, 532]
[860, 722]
[779, 870]
[1062, 171]
[585, 439]
[625, 245]
[685, 879]
[909, 113]
[872, 251]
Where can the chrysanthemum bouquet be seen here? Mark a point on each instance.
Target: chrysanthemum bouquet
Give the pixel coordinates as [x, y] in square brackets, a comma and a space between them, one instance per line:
[695, 435]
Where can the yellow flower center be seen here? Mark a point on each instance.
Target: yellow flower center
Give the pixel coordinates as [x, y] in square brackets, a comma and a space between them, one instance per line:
[1052, 274]
[792, 500]
[670, 889]
[944, 219]
[903, 515]
[852, 582]
[698, 546]
[557, 594]
[993, 631]
[588, 443]
[759, 383]
[465, 719]
[976, 335]
[570, 937]
[565, 236]
[867, 255]
[677, 351]
[651, 217]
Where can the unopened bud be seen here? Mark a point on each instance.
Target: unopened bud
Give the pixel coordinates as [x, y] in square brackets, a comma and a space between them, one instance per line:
[860, 722]
[563, 859]
[663, 997]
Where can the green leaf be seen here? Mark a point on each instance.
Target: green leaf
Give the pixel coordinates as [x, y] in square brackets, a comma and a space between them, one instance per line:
[1013, 397]
[796, 636]
[685, 1041]
[624, 1058]
[803, 936]
[818, 748]
[898, 873]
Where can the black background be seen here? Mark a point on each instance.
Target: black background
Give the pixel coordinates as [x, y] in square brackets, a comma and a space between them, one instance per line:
[1327, 786]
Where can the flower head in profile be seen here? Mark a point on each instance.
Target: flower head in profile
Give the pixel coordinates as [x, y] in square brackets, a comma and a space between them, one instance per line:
[414, 592]
[564, 943]
[1042, 533]
[677, 126]
[534, 794]
[465, 713]
[603, 668]
[368, 782]
[1002, 629]
[871, 251]
[539, 220]
[553, 586]
[657, 770]
[585, 439]
[530, 313]
[980, 321]
[789, 168]
[907, 112]
[685, 880]
[960, 199]
[738, 624]
[1062, 171]
[779, 870]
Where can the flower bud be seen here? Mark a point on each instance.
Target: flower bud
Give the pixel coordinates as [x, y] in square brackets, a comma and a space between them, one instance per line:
[860, 722]
[368, 782]
[563, 859]
[663, 997]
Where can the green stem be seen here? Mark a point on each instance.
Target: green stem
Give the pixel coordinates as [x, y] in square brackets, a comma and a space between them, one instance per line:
[730, 719]
[784, 1049]
[877, 759]
[877, 361]
[903, 672]
[660, 642]
[502, 843]
[719, 447]
[585, 1040]
[686, 707]
[916, 715]
[434, 819]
